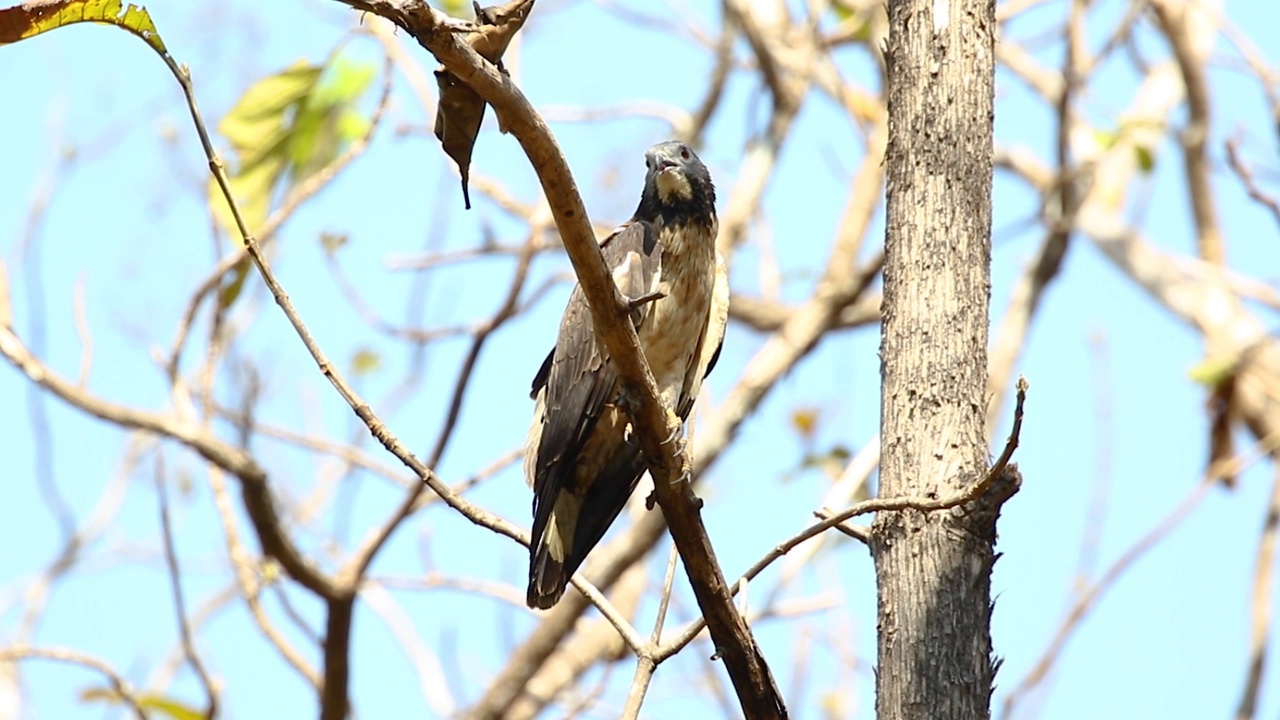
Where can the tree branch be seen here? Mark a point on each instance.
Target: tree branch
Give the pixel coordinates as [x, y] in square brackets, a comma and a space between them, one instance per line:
[257, 496]
[756, 689]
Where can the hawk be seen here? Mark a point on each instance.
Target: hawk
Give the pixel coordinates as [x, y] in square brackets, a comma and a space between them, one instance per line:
[582, 456]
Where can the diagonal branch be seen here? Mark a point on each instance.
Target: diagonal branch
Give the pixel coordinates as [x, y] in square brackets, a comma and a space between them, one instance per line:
[257, 496]
[745, 663]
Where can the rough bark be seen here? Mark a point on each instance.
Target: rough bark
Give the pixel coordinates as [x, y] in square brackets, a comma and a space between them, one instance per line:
[933, 569]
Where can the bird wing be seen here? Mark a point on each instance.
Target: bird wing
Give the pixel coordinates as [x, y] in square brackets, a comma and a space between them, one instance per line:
[711, 342]
[634, 255]
[578, 379]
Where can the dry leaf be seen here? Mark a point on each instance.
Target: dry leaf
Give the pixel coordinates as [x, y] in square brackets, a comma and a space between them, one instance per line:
[461, 110]
[1221, 409]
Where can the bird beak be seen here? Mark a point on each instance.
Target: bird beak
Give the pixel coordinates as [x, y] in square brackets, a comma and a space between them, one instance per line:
[664, 164]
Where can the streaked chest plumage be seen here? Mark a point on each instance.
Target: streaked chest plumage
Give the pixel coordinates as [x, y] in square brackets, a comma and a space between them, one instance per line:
[670, 334]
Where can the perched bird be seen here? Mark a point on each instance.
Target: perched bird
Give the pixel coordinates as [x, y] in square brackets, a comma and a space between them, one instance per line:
[582, 456]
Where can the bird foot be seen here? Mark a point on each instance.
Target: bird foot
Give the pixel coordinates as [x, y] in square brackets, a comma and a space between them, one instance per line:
[680, 450]
[686, 468]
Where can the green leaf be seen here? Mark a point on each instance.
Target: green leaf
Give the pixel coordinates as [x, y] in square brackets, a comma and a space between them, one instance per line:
[328, 120]
[365, 361]
[456, 8]
[31, 19]
[1146, 158]
[260, 127]
[252, 190]
[259, 121]
[147, 702]
[346, 82]
[831, 463]
[286, 127]
[333, 242]
[172, 708]
[352, 126]
[233, 283]
[805, 421]
[1214, 370]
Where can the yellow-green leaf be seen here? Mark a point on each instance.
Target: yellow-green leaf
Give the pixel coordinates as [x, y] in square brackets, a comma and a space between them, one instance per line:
[1212, 371]
[172, 708]
[149, 703]
[260, 127]
[327, 120]
[456, 8]
[31, 19]
[365, 362]
[286, 127]
[1146, 158]
[233, 283]
[831, 462]
[352, 125]
[258, 123]
[1105, 139]
[333, 242]
[805, 421]
[346, 81]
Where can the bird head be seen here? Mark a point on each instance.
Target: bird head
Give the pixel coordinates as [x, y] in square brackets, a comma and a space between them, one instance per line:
[677, 186]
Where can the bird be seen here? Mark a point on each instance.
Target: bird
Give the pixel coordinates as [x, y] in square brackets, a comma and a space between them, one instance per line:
[582, 455]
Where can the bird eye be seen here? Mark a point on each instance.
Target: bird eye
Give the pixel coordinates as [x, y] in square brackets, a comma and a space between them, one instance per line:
[684, 153]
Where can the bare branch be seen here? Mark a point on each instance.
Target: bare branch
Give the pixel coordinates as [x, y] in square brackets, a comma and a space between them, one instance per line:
[124, 693]
[1245, 176]
[655, 423]
[179, 603]
[1001, 480]
[1260, 631]
[1190, 32]
[257, 496]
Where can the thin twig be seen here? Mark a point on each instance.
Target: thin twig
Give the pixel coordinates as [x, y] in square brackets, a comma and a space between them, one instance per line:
[175, 584]
[921, 503]
[298, 194]
[123, 692]
[1089, 597]
[645, 663]
[359, 563]
[1245, 176]
[1260, 615]
[758, 692]
[665, 602]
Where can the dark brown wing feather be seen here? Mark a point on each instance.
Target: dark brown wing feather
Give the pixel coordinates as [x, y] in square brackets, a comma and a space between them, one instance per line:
[578, 382]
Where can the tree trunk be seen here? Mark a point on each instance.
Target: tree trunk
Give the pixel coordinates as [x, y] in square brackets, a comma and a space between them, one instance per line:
[933, 570]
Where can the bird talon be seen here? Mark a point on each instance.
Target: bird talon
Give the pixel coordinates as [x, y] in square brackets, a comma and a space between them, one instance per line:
[675, 439]
[686, 472]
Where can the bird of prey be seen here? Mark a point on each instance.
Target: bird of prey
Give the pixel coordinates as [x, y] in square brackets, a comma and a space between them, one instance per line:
[582, 456]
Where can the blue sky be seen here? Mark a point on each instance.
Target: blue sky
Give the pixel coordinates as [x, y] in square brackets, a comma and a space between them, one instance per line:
[126, 222]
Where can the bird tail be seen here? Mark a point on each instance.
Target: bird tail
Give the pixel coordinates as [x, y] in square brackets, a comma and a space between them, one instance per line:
[549, 563]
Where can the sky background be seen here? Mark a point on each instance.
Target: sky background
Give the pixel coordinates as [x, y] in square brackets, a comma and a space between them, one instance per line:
[94, 125]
